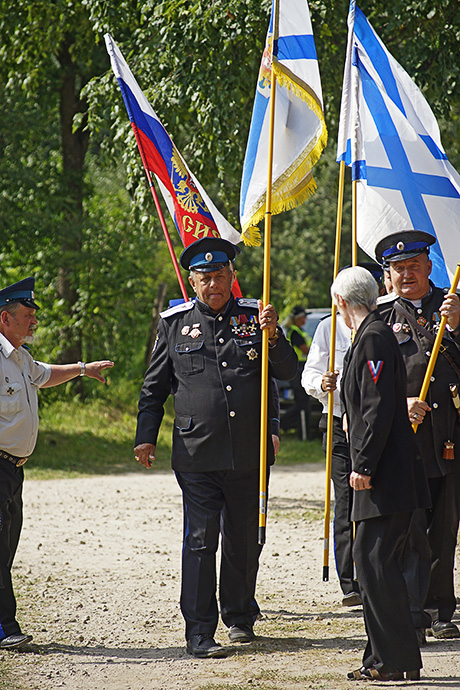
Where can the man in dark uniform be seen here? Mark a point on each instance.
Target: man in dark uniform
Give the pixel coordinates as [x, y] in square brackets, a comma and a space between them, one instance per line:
[413, 311]
[20, 378]
[208, 355]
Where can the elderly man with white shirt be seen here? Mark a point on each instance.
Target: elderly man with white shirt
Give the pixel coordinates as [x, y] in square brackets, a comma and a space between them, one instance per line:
[318, 380]
[20, 378]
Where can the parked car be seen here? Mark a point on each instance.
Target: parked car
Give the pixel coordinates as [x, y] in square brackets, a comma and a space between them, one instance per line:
[314, 316]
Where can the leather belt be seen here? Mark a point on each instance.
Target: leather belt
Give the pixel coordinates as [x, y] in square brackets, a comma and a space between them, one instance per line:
[13, 459]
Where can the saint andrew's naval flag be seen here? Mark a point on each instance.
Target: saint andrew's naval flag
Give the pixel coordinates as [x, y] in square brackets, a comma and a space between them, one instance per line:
[190, 207]
[300, 130]
[390, 138]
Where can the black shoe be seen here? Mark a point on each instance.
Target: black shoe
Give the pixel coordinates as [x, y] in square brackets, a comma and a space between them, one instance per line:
[204, 646]
[421, 637]
[241, 633]
[15, 641]
[352, 599]
[443, 630]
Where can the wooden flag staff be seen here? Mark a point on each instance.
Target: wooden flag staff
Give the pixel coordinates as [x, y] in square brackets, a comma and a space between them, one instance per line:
[436, 346]
[160, 214]
[330, 417]
[266, 300]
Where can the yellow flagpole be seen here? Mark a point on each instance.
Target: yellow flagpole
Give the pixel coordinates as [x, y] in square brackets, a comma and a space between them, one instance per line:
[330, 417]
[266, 300]
[436, 346]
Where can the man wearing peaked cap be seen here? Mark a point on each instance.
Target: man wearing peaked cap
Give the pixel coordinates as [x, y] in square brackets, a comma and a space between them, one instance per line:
[208, 354]
[20, 379]
[403, 245]
[414, 310]
[22, 292]
[208, 254]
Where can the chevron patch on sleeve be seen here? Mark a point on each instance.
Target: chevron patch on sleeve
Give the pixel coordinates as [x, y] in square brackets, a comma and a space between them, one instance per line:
[375, 369]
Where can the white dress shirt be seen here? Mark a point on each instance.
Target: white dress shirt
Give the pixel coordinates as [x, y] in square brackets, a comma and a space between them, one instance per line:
[20, 379]
[318, 361]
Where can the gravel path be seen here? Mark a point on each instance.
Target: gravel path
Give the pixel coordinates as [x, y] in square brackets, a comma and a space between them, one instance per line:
[97, 578]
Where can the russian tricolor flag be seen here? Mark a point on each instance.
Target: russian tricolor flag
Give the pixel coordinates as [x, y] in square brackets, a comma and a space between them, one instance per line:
[190, 207]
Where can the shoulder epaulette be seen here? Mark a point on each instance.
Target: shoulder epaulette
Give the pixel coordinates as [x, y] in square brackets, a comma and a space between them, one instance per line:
[246, 302]
[386, 299]
[184, 306]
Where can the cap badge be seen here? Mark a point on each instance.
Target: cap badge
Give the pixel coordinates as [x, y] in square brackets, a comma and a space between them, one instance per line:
[208, 256]
[400, 246]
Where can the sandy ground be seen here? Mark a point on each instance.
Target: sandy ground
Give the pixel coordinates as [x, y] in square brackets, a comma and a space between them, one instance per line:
[97, 578]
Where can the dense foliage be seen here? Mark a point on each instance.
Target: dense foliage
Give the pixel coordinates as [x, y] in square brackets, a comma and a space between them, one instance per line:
[74, 207]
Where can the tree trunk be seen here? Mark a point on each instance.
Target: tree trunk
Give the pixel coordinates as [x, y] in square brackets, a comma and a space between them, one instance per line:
[157, 308]
[74, 146]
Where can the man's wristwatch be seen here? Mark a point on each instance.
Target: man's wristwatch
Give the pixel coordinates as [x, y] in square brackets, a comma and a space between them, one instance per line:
[274, 338]
[82, 368]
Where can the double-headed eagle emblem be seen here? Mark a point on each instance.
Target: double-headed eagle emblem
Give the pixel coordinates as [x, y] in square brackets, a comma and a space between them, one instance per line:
[187, 194]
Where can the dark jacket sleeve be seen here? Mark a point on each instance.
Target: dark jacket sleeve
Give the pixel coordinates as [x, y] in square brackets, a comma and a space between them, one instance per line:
[155, 390]
[375, 372]
[283, 359]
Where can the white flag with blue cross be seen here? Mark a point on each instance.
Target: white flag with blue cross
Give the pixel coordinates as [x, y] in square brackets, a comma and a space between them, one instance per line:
[390, 138]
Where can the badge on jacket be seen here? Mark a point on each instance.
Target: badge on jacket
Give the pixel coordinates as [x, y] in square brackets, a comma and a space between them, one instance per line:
[375, 369]
[244, 326]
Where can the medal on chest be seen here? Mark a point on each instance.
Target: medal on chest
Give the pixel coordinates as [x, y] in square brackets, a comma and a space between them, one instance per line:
[193, 331]
[244, 326]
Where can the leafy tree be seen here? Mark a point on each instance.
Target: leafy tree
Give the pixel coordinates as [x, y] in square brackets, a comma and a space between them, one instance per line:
[74, 205]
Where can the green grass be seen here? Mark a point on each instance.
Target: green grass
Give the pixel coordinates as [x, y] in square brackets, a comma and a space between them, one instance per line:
[96, 437]
[294, 452]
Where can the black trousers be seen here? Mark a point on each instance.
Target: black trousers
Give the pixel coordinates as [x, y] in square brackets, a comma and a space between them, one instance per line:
[429, 557]
[224, 504]
[392, 641]
[11, 480]
[343, 494]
